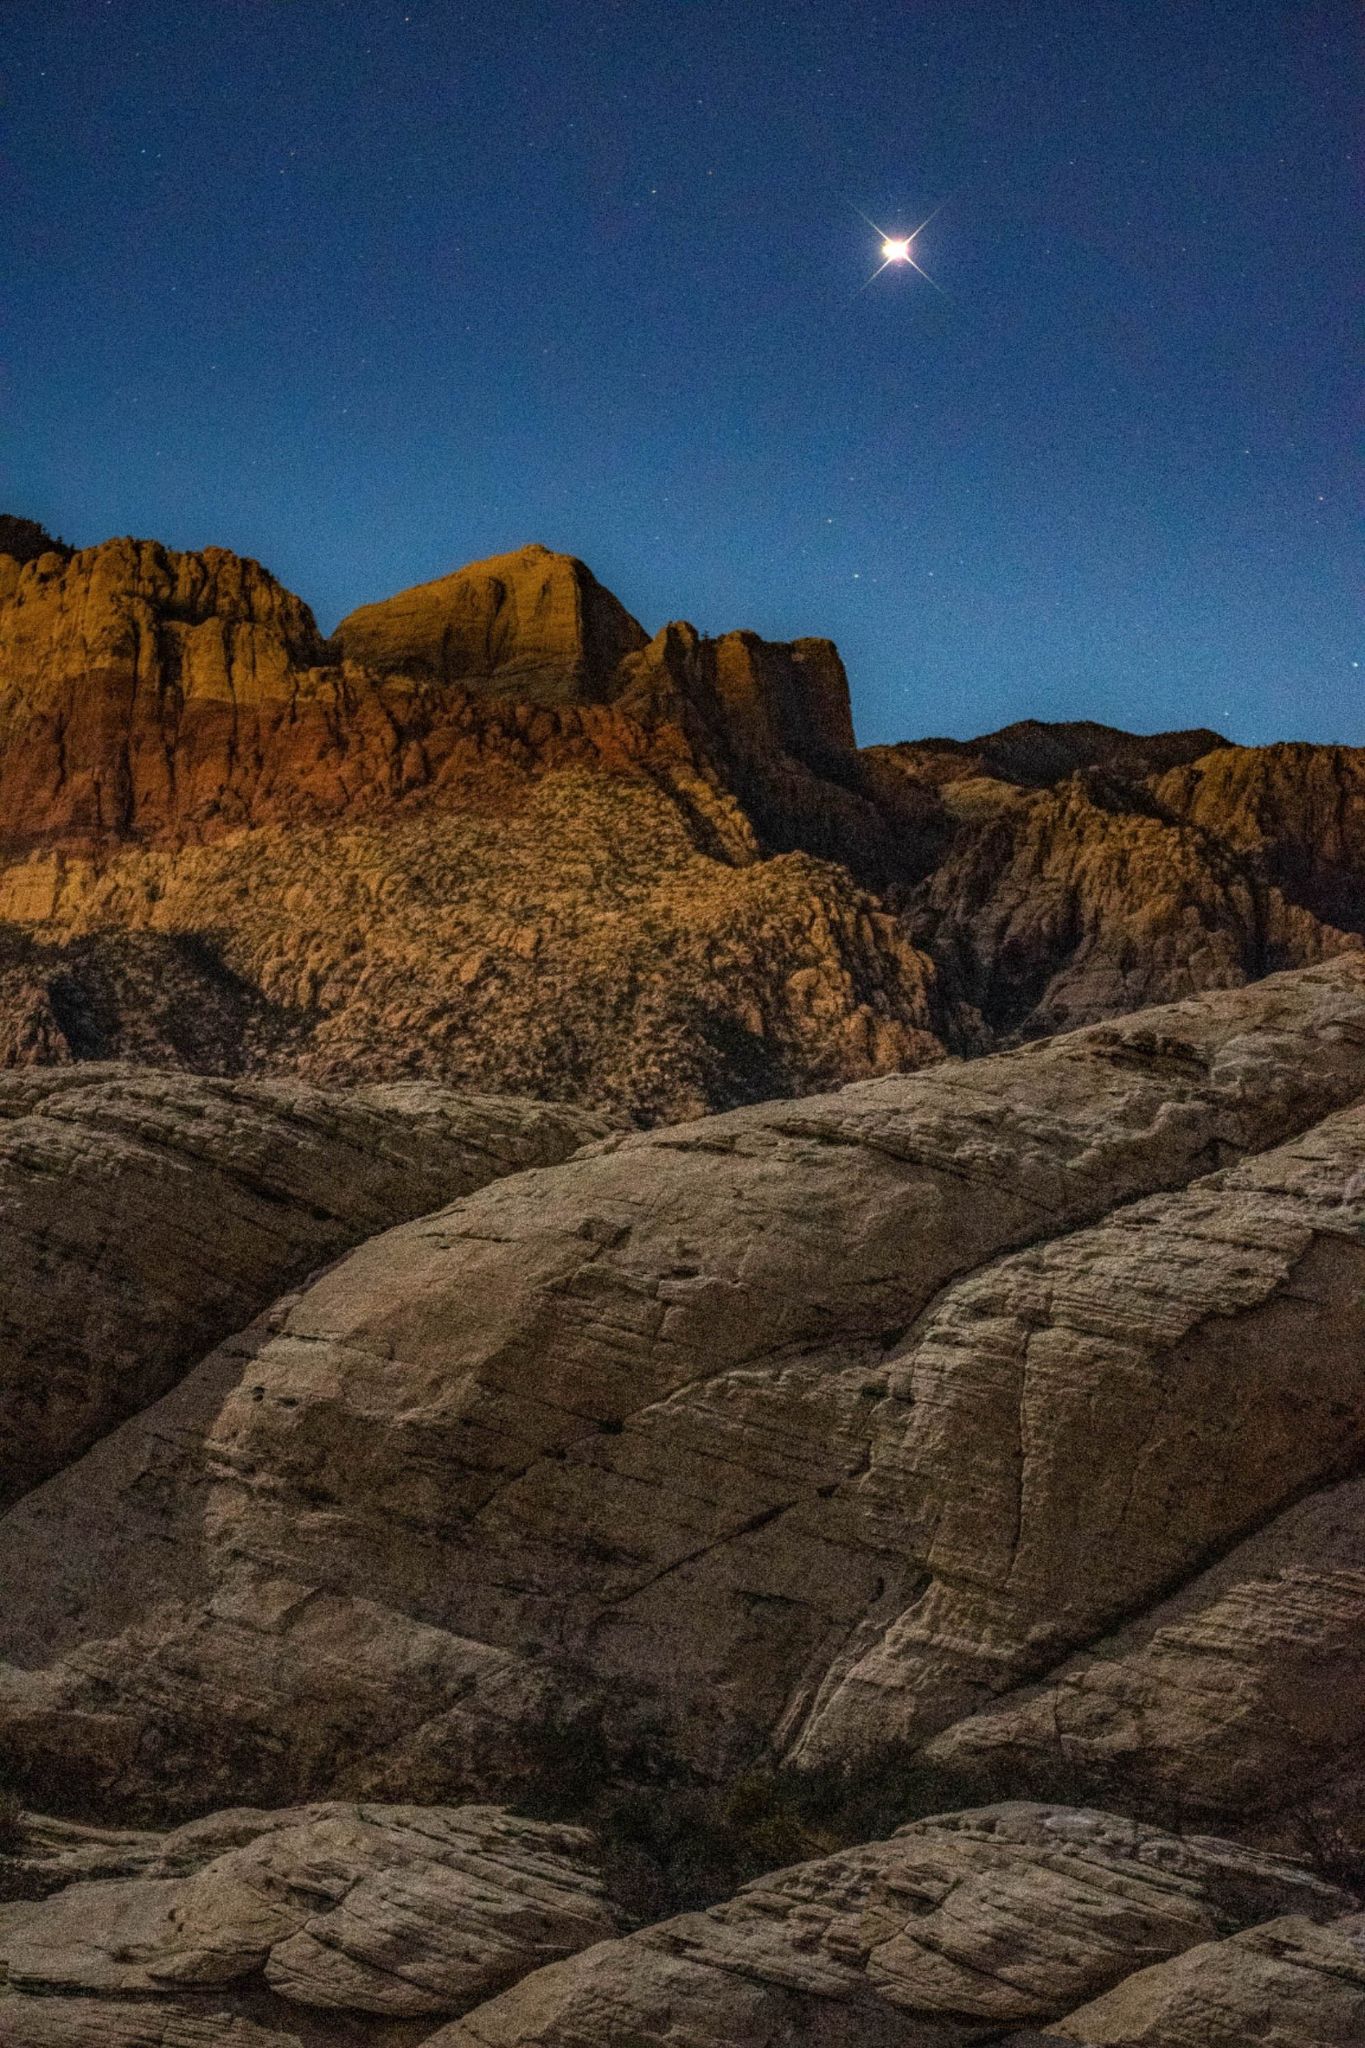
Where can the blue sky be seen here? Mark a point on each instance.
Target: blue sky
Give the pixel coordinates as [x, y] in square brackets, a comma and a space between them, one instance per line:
[368, 290]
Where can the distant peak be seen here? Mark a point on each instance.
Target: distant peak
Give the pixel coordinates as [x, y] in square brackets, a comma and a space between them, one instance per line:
[532, 623]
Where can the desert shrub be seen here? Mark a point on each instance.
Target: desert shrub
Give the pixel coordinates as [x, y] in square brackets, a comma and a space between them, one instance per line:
[1330, 1847]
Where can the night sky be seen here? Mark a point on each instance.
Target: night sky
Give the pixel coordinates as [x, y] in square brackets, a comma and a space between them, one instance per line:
[370, 288]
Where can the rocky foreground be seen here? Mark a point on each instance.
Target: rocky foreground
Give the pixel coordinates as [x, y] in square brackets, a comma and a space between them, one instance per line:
[882, 1569]
[493, 834]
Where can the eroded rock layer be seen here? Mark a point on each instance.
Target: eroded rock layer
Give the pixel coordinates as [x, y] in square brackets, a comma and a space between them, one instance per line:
[142, 1217]
[802, 1430]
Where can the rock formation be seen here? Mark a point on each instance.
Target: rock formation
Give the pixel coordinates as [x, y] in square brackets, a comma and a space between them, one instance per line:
[142, 1219]
[252, 1927]
[533, 625]
[776, 1433]
[950, 1932]
[493, 834]
[877, 1568]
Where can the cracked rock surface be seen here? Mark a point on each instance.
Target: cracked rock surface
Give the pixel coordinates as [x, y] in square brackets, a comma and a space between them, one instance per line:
[395, 1911]
[1292, 1983]
[951, 1931]
[799, 1430]
[145, 1216]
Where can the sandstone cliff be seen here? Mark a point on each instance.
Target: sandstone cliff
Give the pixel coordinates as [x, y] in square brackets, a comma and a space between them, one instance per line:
[777, 1431]
[493, 834]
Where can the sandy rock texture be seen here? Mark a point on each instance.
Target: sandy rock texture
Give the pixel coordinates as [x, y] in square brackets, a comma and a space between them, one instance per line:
[400, 1912]
[144, 1216]
[1241, 1697]
[954, 1930]
[532, 625]
[1291, 1983]
[779, 1431]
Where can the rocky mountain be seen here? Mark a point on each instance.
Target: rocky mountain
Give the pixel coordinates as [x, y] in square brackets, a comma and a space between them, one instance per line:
[493, 834]
[664, 1383]
[878, 1569]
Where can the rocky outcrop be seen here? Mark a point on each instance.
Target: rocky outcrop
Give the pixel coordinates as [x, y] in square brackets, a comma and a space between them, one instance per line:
[577, 944]
[1055, 907]
[396, 1912]
[1292, 1983]
[549, 871]
[778, 1431]
[952, 1931]
[532, 625]
[1238, 1700]
[143, 1217]
[134, 682]
[344, 1924]
[1295, 812]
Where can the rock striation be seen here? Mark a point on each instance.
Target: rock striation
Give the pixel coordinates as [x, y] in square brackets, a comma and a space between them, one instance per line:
[777, 1432]
[954, 1930]
[914, 1527]
[1292, 1983]
[399, 1912]
[142, 1218]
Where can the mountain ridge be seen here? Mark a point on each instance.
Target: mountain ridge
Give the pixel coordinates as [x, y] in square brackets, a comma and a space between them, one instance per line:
[758, 905]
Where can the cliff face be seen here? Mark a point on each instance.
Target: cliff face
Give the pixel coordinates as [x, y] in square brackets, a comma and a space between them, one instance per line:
[532, 625]
[492, 833]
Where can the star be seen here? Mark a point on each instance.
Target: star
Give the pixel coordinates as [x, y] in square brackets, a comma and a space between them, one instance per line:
[901, 249]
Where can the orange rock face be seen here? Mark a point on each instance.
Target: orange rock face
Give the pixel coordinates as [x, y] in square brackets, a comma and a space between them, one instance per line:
[532, 625]
[493, 832]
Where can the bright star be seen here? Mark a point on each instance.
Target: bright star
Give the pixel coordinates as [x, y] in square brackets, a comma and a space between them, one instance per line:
[901, 249]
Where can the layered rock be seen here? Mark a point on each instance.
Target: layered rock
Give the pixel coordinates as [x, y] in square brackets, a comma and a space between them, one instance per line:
[143, 1217]
[1292, 1983]
[952, 1931]
[1242, 1697]
[398, 1912]
[512, 844]
[502, 751]
[779, 1431]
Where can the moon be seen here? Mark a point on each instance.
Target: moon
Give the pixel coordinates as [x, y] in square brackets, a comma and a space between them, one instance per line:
[896, 248]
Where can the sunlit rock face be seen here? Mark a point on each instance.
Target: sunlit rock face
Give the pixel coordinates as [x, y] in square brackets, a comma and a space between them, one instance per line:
[493, 834]
[532, 625]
